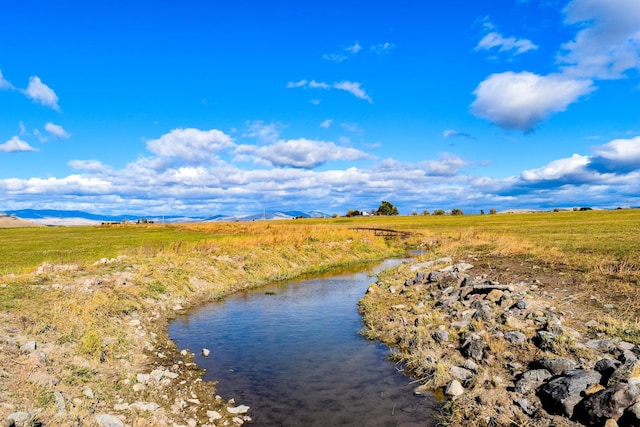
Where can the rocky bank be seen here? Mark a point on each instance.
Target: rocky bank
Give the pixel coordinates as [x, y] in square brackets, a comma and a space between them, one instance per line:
[503, 354]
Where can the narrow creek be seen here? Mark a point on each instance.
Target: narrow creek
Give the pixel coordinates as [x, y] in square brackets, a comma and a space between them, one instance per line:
[292, 352]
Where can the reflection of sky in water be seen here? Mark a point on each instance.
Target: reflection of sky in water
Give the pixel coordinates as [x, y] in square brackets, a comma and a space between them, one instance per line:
[296, 357]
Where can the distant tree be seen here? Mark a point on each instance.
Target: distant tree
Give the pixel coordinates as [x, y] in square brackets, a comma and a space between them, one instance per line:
[439, 212]
[414, 213]
[493, 211]
[387, 208]
[481, 211]
[456, 211]
[353, 212]
[426, 212]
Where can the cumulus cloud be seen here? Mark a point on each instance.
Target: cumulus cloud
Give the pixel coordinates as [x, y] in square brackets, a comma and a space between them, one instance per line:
[354, 48]
[560, 169]
[192, 145]
[608, 42]
[522, 100]
[301, 153]
[353, 88]
[494, 39]
[619, 156]
[57, 131]
[446, 165]
[41, 93]
[15, 145]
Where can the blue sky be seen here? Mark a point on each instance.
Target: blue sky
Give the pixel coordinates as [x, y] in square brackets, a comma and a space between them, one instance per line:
[206, 107]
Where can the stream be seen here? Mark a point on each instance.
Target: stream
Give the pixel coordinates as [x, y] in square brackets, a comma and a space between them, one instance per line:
[292, 352]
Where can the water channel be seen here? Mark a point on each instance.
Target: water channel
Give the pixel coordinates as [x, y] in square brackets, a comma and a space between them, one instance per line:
[292, 352]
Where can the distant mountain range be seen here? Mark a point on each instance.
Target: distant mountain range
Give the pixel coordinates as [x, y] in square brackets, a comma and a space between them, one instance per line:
[64, 217]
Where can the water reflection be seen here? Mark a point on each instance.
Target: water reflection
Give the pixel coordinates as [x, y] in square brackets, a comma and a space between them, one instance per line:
[292, 352]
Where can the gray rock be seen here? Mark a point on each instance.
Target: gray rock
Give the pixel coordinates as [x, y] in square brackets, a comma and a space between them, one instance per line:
[629, 372]
[558, 365]
[454, 388]
[545, 339]
[441, 336]
[145, 406]
[484, 313]
[606, 367]
[473, 347]
[29, 347]
[537, 375]
[631, 416]
[461, 374]
[470, 365]
[561, 394]
[106, 420]
[608, 403]
[515, 337]
[60, 403]
[526, 406]
[20, 419]
[522, 304]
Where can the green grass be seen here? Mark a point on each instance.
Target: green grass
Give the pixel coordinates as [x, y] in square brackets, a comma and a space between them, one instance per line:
[23, 249]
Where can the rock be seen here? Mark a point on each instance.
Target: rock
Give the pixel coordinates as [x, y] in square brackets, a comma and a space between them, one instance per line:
[121, 406]
[206, 352]
[631, 416]
[470, 365]
[143, 378]
[88, 392]
[157, 375]
[522, 304]
[20, 419]
[454, 389]
[611, 423]
[515, 337]
[137, 387]
[235, 410]
[460, 373]
[484, 313]
[145, 406]
[429, 264]
[526, 406]
[544, 340]
[441, 335]
[473, 347]
[538, 375]
[29, 347]
[606, 367]
[214, 415]
[106, 420]
[60, 403]
[608, 403]
[629, 372]
[494, 295]
[561, 394]
[558, 365]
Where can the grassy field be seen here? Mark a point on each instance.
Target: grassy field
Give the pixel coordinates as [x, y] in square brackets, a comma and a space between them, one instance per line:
[81, 307]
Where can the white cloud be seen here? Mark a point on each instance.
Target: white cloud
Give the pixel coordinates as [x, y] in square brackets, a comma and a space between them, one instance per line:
[354, 48]
[90, 166]
[522, 100]
[335, 57]
[382, 48]
[558, 169]
[265, 133]
[301, 83]
[15, 145]
[4, 84]
[57, 131]
[41, 93]
[494, 39]
[619, 155]
[326, 124]
[301, 153]
[608, 43]
[354, 89]
[192, 145]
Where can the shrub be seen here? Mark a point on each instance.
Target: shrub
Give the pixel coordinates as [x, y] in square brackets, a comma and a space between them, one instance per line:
[456, 211]
[439, 212]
